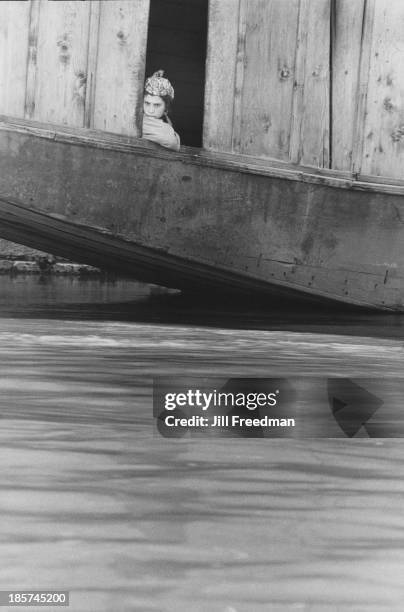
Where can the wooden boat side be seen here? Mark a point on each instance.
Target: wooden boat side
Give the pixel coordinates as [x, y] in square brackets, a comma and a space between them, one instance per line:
[250, 221]
[113, 253]
[227, 161]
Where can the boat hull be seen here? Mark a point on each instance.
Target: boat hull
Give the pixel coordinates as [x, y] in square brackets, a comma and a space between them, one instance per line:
[194, 219]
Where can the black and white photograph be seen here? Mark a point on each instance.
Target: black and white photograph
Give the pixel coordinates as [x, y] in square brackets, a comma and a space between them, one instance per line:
[202, 305]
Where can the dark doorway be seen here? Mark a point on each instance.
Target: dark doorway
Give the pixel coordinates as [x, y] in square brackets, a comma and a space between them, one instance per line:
[177, 44]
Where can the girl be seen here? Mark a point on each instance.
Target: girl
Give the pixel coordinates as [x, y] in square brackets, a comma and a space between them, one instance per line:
[158, 96]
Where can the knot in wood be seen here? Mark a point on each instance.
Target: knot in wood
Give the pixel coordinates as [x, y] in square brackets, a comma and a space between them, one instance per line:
[388, 105]
[64, 54]
[398, 134]
[79, 91]
[285, 73]
[121, 37]
[266, 122]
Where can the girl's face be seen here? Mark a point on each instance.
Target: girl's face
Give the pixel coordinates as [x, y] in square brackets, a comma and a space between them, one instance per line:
[153, 106]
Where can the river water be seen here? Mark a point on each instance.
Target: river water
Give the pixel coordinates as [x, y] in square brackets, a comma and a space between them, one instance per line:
[95, 502]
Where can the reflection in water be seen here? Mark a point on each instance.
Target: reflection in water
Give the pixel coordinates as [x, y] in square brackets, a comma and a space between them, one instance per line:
[92, 500]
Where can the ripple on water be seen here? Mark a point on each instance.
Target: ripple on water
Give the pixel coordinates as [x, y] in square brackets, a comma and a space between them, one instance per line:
[93, 501]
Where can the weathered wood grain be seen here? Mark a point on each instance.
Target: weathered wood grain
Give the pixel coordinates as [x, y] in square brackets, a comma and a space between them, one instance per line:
[220, 74]
[265, 88]
[239, 75]
[310, 127]
[363, 82]
[121, 65]
[93, 36]
[268, 82]
[61, 66]
[14, 30]
[241, 164]
[383, 138]
[277, 72]
[346, 51]
[29, 107]
[104, 249]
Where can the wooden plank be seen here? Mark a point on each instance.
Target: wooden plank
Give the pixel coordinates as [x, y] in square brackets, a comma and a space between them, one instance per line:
[121, 65]
[383, 142]
[29, 107]
[93, 35]
[363, 82]
[239, 164]
[102, 248]
[14, 29]
[220, 74]
[60, 84]
[241, 61]
[310, 127]
[266, 63]
[347, 29]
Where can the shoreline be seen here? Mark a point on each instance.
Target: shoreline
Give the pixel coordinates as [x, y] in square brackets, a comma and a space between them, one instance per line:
[45, 266]
[18, 259]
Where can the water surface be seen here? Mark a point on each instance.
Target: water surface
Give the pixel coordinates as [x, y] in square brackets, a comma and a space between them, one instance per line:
[93, 501]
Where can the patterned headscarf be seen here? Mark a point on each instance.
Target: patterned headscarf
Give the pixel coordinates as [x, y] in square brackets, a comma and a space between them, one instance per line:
[157, 85]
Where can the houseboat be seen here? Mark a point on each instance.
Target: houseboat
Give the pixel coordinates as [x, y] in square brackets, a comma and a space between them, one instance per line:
[289, 180]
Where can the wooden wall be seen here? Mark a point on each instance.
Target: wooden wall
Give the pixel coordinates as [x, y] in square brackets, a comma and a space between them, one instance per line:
[317, 82]
[368, 87]
[267, 90]
[74, 63]
[382, 115]
[14, 36]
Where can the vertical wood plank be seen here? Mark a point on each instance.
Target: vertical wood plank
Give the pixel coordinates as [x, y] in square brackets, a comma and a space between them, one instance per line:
[310, 128]
[267, 69]
[223, 21]
[295, 152]
[363, 83]
[32, 57]
[121, 65]
[14, 30]
[239, 75]
[346, 55]
[93, 41]
[383, 141]
[60, 82]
